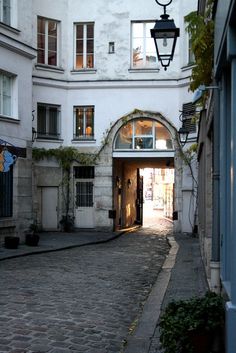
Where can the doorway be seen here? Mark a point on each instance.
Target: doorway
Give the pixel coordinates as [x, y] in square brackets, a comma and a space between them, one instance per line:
[49, 197]
[158, 190]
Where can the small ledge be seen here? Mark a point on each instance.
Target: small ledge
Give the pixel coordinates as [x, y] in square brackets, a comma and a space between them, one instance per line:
[9, 28]
[144, 70]
[187, 67]
[9, 120]
[83, 141]
[40, 139]
[49, 68]
[84, 71]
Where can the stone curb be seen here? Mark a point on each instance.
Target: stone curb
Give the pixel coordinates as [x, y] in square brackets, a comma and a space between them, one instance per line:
[43, 251]
[140, 341]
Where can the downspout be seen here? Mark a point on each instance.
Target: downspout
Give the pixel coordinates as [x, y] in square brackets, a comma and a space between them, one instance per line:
[215, 247]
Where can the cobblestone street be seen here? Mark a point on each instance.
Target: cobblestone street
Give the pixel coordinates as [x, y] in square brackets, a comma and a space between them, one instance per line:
[83, 300]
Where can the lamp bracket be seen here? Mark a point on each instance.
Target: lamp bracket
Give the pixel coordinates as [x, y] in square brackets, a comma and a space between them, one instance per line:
[164, 5]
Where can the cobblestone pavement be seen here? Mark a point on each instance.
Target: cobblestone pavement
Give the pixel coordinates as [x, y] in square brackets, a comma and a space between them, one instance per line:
[82, 300]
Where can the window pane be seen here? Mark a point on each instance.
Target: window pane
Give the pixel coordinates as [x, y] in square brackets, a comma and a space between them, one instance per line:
[41, 56]
[79, 31]
[41, 120]
[143, 127]
[6, 12]
[7, 84]
[52, 58]
[84, 194]
[143, 143]
[90, 61]
[41, 41]
[53, 113]
[79, 61]
[52, 43]
[52, 28]
[89, 46]
[137, 30]
[163, 137]
[124, 138]
[89, 122]
[90, 31]
[41, 25]
[79, 46]
[79, 127]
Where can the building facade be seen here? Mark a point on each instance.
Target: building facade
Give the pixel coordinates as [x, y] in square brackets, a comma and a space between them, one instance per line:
[16, 55]
[97, 86]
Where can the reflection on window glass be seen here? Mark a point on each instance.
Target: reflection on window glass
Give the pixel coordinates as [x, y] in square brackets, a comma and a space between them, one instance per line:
[124, 138]
[143, 48]
[143, 127]
[163, 138]
[143, 134]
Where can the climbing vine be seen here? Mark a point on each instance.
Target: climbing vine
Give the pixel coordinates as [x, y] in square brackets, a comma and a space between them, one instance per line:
[201, 31]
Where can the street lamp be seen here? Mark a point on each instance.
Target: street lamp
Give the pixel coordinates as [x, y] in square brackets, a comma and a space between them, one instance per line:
[165, 35]
[183, 135]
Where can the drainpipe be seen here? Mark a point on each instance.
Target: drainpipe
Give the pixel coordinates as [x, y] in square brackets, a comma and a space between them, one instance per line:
[215, 249]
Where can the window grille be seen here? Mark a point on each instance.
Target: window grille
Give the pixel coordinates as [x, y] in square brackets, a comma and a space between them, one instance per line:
[84, 194]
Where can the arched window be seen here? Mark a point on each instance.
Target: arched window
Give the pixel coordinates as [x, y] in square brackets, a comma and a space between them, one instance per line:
[143, 134]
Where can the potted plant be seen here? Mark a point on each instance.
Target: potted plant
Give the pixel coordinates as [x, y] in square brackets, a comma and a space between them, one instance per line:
[11, 242]
[195, 325]
[67, 223]
[32, 236]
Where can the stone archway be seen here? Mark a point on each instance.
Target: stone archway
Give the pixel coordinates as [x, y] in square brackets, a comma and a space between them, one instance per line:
[105, 180]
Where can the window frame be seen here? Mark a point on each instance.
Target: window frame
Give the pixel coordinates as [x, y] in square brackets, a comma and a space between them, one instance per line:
[144, 43]
[84, 136]
[47, 134]
[11, 94]
[85, 38]
[46, 41]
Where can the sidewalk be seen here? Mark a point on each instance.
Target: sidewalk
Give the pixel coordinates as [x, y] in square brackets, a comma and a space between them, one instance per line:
[182, 277]
[56, 241]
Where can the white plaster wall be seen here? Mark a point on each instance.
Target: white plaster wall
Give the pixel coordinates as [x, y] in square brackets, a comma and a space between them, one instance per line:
[112, 23]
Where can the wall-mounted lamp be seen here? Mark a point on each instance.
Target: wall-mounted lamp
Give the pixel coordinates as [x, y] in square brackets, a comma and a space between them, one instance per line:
[165, 35]
[129, 183]
[183, 135]
[34, 134]
[118, 181]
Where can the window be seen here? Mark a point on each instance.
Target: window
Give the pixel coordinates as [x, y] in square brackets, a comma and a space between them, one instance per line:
[48, 121]
[84, 172]
[84, 194]
[191, 58]
[6, 194]
[84, 46]
[143, 134]
[84, 122]
[47, 41]
[143, 47]
[6, 82]
[5, 12]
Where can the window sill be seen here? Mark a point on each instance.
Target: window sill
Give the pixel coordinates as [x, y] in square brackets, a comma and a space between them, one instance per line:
[9, 28]
[8, 119]
[143, 70]
[83, 140]
[49, 68]
[83, 71]
[188, 67]
[48, 139]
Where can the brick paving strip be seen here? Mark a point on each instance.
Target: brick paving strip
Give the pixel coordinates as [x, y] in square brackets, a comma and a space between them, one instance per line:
[81, 300]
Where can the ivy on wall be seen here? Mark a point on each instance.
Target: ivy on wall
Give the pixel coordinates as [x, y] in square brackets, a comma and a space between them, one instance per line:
[201, 31]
